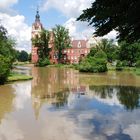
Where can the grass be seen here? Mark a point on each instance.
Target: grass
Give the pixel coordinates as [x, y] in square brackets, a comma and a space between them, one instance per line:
[137, 71]
[21, 63]
[18, 77]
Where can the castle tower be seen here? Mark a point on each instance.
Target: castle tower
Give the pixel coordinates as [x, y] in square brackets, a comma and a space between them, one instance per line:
[36, 29]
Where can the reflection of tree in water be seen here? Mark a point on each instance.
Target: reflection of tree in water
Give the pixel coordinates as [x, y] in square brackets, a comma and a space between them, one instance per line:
[61, 98]
[103, 91]
[128, 96]
[6, 100]
[50, 85]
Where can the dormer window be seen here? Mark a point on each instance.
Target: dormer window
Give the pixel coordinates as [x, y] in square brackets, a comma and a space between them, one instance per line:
[79, 44]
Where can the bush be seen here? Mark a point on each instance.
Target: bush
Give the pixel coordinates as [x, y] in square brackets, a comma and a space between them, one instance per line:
[138, 64]
[43, 62]
[93, 51]
[5, 66]
[92, 64]
[119, 66]
[125, 63]
[100, 54]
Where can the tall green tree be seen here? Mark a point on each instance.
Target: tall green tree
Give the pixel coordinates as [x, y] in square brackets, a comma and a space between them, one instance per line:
[120, 15]
[41, 42]
[62, 40]
[7, 54]
[23, 56]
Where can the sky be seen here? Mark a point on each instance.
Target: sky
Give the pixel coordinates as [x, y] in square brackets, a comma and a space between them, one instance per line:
[17, 16]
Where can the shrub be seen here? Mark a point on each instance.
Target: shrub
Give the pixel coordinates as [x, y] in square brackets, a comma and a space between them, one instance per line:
[124, 63]
[43, 62]
[119, 66]
[93, 51]
[92, 64]
[5, 66]
[100, 54]
[138, 64]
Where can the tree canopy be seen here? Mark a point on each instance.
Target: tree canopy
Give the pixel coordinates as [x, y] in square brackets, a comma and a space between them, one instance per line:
[62, 39]
[120, 15]
[7, 54]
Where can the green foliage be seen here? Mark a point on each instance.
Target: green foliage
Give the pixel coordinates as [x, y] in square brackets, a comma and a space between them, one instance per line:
[122, 16]
[119, 65]
[29, 57]
[100, 54]
[92, 52]
[41, 42]
[7, 54]
[98, 63]
[62, 39]
[5, 65]
[129, 52]
[43, 62]
[138, 64]
[22, 56]
[124, 63]
[109, 48]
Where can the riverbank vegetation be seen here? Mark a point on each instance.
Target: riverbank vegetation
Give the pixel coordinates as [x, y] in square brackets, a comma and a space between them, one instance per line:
[18, 77]
[8, 55]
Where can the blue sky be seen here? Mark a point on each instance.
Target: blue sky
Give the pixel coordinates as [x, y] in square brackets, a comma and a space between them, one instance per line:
[18, 15]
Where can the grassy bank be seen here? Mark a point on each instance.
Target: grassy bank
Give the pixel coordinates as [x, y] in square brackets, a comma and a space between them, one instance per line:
[18, 77]
[137, 71]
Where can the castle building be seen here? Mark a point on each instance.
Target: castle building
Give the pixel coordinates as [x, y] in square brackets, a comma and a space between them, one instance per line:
[78, 50]
[72, 55]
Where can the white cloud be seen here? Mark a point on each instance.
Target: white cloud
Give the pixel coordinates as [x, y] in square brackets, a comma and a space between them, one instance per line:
[18, 29]
[10, 130]
[22, 95]
[81, 30]
[78, 29]
[70, 8]
[7, 3]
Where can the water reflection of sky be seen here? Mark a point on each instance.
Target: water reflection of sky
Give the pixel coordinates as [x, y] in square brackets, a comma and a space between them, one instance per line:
[70, 112]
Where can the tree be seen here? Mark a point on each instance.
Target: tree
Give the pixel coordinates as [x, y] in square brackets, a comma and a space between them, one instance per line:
[62, 39]
[41, 42]
[129, 52]
[23, 56]
[122, 16]
[108, 47]
[7, 54]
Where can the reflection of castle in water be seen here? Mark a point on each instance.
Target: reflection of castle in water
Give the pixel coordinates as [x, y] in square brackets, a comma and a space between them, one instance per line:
[53, 85]
[60, 87]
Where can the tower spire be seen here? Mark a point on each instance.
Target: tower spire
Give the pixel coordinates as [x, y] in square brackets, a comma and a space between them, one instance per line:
[37, 17]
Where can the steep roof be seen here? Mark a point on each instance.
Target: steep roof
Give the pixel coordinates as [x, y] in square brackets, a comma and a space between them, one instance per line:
[79, 43]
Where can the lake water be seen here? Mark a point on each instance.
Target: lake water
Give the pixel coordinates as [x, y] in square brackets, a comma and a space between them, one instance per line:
[63, 104]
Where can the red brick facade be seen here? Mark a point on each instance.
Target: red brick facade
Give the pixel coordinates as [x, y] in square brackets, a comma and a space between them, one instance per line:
[78, 50]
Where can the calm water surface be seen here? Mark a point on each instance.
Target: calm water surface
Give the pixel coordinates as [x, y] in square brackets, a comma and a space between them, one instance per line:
[61, 104]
